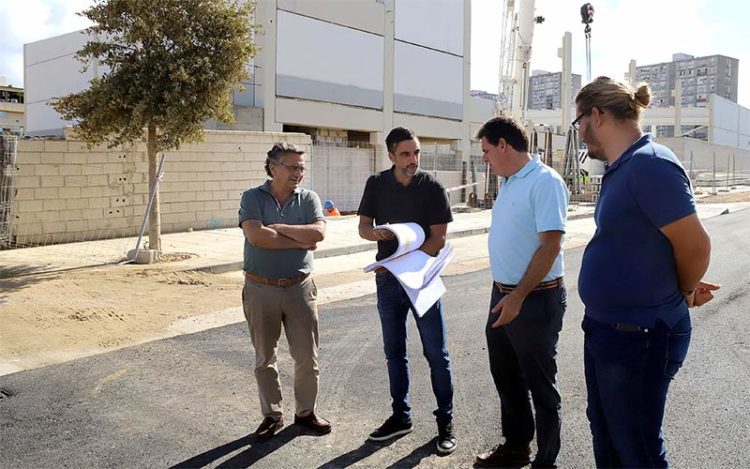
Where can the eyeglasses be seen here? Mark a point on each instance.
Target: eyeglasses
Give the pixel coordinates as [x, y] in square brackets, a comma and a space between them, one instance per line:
[293, 168]
[576, 124]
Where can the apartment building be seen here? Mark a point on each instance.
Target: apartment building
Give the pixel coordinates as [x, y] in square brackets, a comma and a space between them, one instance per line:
[699, 77]
[11, 109]
[545, 89]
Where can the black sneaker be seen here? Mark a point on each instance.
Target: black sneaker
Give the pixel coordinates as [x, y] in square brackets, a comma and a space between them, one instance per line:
[446, 442]
[393, 427]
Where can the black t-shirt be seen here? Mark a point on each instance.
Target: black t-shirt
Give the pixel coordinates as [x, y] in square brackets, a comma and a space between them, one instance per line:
[423, 201]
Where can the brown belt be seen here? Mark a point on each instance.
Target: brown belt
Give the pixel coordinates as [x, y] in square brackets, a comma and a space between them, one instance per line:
[381, 270]
[558, 282]
[281, 282]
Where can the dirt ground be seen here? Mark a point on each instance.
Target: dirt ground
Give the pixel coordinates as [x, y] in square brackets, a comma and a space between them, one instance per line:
[726, 198]
[48, 318]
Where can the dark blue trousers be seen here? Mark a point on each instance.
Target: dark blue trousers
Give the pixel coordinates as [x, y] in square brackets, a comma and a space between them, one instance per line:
[523, 365]
[394, 306]
[628, 371]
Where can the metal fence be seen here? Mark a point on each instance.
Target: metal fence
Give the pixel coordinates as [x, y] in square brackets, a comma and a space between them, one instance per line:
[718, 171]
[8, 170]
[340, 171]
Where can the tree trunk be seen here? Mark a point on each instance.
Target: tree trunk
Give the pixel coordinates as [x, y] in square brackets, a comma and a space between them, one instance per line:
[154, 218]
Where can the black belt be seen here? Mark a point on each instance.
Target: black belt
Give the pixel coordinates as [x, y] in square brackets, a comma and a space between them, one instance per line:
[558, 282]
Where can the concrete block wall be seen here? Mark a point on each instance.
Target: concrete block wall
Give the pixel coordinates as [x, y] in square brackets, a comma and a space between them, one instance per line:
[68, 192]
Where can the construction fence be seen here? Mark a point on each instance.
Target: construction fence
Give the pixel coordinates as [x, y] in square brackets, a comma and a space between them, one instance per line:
[340, 171]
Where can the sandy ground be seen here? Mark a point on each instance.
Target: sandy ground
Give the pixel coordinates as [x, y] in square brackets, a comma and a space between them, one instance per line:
[45, 318]
[725, 198]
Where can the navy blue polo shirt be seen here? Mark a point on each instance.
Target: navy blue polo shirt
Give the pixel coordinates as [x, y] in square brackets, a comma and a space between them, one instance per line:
[628, 271]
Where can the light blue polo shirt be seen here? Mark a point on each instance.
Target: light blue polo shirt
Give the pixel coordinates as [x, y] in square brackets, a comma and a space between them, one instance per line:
[532, 201]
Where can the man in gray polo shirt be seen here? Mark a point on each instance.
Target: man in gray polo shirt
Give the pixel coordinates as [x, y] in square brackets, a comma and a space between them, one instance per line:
[283, 224]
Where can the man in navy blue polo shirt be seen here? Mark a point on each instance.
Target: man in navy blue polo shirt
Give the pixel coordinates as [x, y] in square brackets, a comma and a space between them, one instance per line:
[639, 274]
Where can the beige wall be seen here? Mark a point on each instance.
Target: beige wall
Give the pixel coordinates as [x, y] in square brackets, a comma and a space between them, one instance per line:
[67, 192]
[700, 158]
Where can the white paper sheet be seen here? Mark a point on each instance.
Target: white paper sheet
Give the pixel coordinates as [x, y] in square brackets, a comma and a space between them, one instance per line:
[418, 272]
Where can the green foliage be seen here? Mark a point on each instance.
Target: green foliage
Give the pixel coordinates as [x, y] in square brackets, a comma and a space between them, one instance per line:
[170, 65]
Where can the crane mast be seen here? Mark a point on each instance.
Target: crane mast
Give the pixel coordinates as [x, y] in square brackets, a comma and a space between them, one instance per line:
[517, 32]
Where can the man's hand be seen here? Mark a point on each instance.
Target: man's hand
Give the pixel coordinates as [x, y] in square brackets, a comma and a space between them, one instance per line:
[383, 234]
[701, 295]
[508, 307]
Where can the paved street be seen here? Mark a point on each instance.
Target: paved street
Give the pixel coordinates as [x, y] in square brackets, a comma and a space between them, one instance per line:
[191, 401]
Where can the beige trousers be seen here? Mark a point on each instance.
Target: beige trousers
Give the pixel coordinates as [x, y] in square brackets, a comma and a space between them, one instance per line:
[266, 309]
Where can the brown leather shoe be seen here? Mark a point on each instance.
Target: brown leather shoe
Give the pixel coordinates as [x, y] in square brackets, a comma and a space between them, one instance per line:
[504, 456]
[314, 423]
[269, 427]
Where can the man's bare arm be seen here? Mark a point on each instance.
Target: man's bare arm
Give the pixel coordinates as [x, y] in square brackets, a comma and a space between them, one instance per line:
[267, 238]
[692, 250]
[436, 240]
[367, 230]
[550, 243]
[307, 234]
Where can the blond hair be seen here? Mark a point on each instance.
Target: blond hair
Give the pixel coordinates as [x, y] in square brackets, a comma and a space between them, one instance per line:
[614, 96]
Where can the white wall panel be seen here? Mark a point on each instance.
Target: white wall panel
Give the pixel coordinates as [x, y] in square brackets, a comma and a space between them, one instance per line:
[327, 62]
[730, 123]
[51, 71]
[428, 82]
[437, 24]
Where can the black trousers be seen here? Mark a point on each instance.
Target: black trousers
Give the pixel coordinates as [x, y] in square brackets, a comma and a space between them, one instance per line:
[523, 363]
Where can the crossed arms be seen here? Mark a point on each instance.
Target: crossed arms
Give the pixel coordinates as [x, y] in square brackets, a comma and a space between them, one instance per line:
[279, 236]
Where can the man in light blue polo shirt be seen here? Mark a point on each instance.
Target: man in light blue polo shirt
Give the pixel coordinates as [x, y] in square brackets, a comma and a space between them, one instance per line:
[528, 296]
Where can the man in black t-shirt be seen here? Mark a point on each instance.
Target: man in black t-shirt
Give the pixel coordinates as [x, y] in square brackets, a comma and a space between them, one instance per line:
[404, 194]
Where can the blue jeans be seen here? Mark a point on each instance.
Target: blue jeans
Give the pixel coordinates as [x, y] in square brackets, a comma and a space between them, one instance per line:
[628, 371]
[393, 306]
[523, 363]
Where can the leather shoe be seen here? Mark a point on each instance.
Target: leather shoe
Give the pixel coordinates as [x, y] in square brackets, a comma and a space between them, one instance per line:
[504, 456]
[269, 427]
[314, 423]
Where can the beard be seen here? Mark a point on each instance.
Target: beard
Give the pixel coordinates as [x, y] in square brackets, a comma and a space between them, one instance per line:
[597, 155]
[410, 170]
[594, 147]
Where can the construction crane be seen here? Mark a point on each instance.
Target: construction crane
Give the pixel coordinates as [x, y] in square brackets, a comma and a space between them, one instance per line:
[517, 32]
[574, 155]
[587, 17]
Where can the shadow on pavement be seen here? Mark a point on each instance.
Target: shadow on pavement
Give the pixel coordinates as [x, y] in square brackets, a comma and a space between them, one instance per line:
[368, 448]
[256, 451]
[415, 457]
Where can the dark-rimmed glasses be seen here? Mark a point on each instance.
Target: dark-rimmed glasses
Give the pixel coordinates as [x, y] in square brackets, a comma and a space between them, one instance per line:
[576, 124]
[293, 168]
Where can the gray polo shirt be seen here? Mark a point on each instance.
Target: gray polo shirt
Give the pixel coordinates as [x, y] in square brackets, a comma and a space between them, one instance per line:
[302, 208]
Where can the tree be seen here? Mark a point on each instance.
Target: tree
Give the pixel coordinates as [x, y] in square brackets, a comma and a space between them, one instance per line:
[170, 65]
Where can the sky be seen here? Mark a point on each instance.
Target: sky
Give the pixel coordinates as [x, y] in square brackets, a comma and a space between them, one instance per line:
[648, 31]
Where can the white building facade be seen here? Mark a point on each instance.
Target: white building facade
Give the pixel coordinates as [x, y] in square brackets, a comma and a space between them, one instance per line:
[358, 68]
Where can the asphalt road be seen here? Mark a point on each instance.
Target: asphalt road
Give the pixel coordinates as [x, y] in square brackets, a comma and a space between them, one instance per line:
[191, 401]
